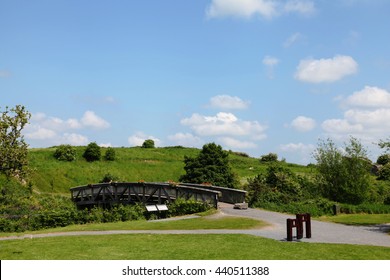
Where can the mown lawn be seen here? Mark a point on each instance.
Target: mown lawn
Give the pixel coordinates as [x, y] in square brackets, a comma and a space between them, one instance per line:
[181, 247]
[358, 219]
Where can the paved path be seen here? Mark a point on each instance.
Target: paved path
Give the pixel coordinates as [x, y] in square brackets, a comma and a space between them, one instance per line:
[322, 232]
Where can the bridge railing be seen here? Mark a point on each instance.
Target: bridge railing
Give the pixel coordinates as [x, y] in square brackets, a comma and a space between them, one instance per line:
[228, 195]
[146, 193]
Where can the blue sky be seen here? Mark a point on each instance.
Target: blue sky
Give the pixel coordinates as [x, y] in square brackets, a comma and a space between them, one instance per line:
[255, 76]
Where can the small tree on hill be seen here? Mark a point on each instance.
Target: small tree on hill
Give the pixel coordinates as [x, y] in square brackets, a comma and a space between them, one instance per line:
[110, 154]
[92, 152]
[210, 166]
[148, 144]
[13, 149]
[65, 153]
[344, 176]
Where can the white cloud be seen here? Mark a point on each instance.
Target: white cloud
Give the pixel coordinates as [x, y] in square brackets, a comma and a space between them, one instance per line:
[263, 8]
[300, 7]
[368, 116]
[185, 139]
[303, 124]
[270, 61]
[74, 139]
[241, 8]
[105, 145]
[40, 133]
[297, 147]
[90, 119]
[228, 102]
[223, 124]
[294, 38]
[370, 97]
[138, 139]
[326, 70]
[234, 143]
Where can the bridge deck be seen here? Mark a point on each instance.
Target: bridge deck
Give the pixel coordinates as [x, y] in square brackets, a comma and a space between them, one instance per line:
[107, 194]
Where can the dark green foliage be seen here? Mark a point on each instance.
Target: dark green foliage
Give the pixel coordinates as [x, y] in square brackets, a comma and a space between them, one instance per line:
[110, 154]
[384, 173]
[148, 144]
[185, 207]
[13, 149]
[343, 176]
[271, 157]
[383, 159]
[108, 177]
[65, 153]
[210, 166]
[92, 152]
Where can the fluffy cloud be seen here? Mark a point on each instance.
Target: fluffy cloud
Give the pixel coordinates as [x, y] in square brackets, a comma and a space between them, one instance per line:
[263, 8]
[297, 147]
[234, 143]
[228, 102]
[270, 61]
[326, 70]
[90, 119]
[138, 139]
[367, 117]
[370, 97]
[185, 139]
[45, 130]
[223, 123]
[241, 8]
[303, 124]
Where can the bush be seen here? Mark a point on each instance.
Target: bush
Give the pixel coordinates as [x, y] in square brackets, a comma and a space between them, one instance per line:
[185, 207]
[271, 157]
[65, 153]
[384, 173]
[148, 144]
[110, 154]
[108, 177]
[383, 159]
[92, 152]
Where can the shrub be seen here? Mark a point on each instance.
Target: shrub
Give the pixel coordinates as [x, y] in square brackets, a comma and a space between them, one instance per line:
[384, 173]
[65, 153]
[383, 159]
[271, 157]
[92, 152]
[108, 177]
[184, 207]
[148, 144]
[110, 154]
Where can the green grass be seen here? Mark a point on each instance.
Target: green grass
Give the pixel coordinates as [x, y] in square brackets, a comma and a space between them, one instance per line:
[358, 219]
[186, 224]
[131, 164]
[182, 247]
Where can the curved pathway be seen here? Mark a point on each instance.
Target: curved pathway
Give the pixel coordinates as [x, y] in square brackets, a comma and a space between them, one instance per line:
[322, 232]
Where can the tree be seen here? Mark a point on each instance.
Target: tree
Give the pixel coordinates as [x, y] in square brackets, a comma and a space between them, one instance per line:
[271, 157]
[148, 144]
[343, 174]
[92, 152]
[110, 154]
[13, 149]
[65, 153]
[210, 166]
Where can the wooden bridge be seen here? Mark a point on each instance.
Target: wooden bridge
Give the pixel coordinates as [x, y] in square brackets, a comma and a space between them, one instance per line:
[107, 194]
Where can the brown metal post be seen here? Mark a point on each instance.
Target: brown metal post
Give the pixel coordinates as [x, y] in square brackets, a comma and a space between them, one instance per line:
[308, 226]
[300, 218]
[289, 229]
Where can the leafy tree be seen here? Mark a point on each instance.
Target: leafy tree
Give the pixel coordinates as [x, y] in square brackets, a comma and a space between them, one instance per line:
[383, 159]
[148, 144]
[210, 166]
[384, 173]
[13, 149]
[65, 153]
[271, 157]
[110, 154]
[92, 152]
[343, 175]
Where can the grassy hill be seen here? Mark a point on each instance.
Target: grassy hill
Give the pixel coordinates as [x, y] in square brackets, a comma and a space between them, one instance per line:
[131, 164]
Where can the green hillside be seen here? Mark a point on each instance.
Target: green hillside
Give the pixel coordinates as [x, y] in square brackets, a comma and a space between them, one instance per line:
[131, 164]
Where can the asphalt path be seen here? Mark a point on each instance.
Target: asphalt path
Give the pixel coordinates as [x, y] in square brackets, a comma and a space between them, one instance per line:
[322, 232]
